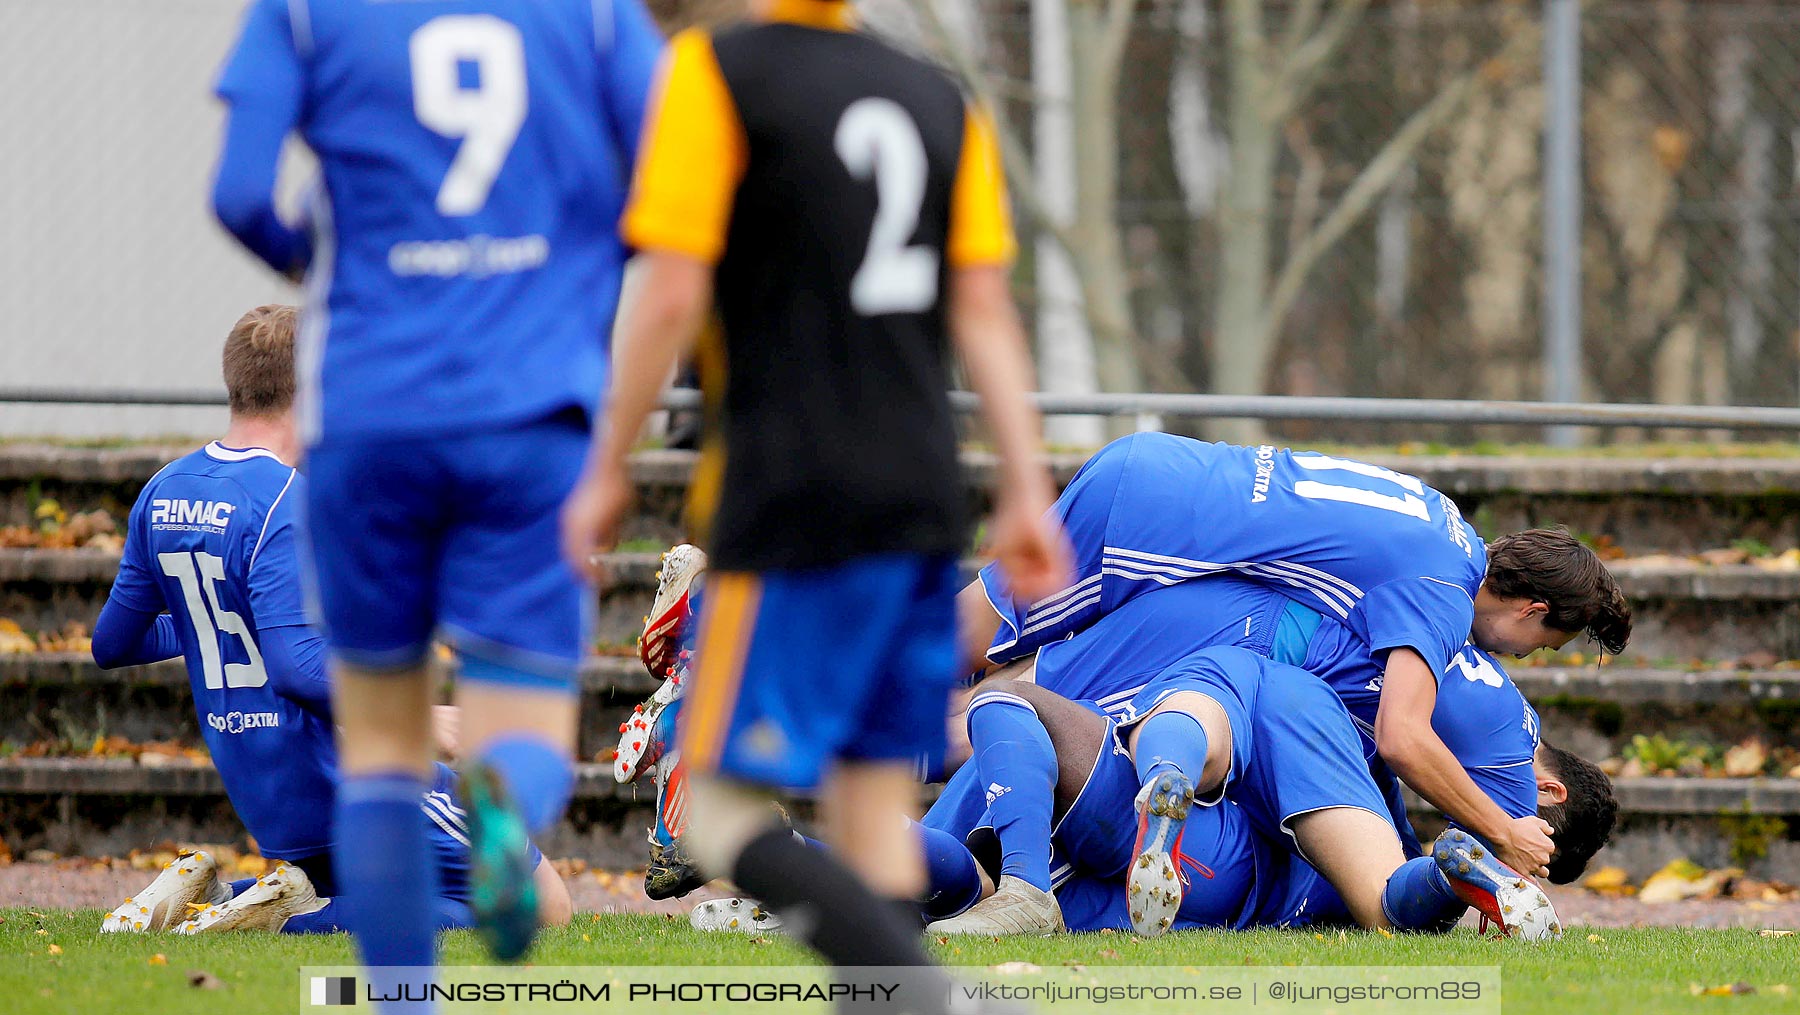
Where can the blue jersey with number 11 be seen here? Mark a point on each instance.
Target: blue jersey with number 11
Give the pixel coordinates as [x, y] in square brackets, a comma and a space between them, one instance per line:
[1379, 551]
[475, 157]
[211, 540]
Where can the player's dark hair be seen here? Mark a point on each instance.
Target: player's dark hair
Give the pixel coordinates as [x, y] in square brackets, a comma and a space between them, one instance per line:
[1582, 823]
[1550, 566]
[259, 361]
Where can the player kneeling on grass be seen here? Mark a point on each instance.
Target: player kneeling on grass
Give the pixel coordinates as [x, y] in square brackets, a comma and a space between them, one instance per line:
[211, 540]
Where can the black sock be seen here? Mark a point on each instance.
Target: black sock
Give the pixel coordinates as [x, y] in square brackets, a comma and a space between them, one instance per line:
[825, 905]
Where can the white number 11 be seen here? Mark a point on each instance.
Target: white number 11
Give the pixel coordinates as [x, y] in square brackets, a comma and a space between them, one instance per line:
[1406, 504]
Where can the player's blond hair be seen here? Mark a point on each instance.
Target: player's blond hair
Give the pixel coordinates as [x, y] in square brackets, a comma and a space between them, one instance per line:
[259, 361]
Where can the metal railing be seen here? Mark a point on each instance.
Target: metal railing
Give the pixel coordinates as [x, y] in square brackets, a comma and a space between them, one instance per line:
[1271, 407]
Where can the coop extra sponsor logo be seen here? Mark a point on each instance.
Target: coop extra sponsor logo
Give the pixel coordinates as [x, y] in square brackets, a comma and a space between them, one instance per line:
[238, 722]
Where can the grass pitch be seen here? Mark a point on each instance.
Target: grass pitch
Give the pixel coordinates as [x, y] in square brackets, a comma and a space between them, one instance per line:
[57, 962]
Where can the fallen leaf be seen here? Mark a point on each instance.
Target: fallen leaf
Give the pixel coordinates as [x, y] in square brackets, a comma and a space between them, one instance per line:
[1595, 939]
[1016, 967]
[1679, 879]
[1609, 881]
[1728, 989]
[33, 912]
[1776, 933]
[56, 949]
[1108, 953]
[200, 979]
[159, 959]
[1746, 759]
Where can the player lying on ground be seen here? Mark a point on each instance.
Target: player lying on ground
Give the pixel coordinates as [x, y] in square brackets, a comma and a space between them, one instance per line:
[211, 539]
[1387, 558]
[1485, 723]
[1301, 837]
[1479, 714]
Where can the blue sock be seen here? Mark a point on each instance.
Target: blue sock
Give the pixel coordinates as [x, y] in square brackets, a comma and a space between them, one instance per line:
[1017, 764]
[386, 876]
[328, 920]
[1418, 897]
[1170, 740]
[952, 881]
[538, 775]
[240, 886]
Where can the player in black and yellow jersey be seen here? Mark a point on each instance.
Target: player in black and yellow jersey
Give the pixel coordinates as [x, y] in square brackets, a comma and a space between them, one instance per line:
[843, 207]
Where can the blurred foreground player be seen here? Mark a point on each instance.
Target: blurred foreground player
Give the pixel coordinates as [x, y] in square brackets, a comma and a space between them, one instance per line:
[845, 208]
[211, 540]
[461, 273]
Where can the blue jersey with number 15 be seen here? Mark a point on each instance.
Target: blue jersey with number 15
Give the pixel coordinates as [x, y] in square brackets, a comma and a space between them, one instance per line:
[475, 157]
[211, 540]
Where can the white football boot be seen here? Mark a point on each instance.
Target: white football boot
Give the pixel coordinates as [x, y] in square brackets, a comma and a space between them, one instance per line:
[1497, 892]
[192, 877]
[283, 892]
[1016, 907]
[745, 916]
[681, 564]
[1153, 887]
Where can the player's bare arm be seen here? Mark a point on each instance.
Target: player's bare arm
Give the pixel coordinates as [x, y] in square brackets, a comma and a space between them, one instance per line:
[658, 328]
[1404, 736]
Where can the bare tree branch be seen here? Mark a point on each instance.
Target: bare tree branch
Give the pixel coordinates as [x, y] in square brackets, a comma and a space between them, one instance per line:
[1301, 68]
[1300, 23]
[1362, 194]
[1020, 173]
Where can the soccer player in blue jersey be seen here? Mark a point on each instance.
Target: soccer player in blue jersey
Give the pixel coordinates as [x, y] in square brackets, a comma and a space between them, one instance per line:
[211, 541]
[461, 265]
[1300, 836]
[1388, 558]
[1183, 737]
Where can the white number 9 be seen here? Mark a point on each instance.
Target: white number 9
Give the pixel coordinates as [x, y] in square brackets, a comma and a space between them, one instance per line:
[487, 117]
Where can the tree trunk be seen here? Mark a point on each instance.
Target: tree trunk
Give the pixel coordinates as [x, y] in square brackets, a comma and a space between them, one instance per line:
[1100, 255]
[1240, 354]
[1066, 354]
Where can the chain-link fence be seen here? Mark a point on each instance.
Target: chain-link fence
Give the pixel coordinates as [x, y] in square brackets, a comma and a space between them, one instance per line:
[1369, 222]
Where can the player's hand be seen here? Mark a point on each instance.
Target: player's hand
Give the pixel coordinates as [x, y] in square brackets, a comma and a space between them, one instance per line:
[591, 517]
[1029, 545]
[1527, 846]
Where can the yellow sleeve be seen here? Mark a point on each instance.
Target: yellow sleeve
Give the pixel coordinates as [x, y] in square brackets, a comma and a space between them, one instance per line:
[691, 158]
[981, 233]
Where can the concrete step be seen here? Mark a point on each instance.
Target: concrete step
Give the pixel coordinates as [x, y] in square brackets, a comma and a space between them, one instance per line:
[98, 806]
[1684, 610]
[1676, 505]
[1592, 710]
[624, 675]
[65, 696]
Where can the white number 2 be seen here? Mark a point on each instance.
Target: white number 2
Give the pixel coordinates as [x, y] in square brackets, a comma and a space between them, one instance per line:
[200, 574]
[1408, 503]
[877, 138]
[487, 117]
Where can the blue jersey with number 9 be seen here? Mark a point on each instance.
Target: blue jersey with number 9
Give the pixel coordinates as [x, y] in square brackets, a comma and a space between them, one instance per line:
[474, 156]
[211, 540]
[1377, 550]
